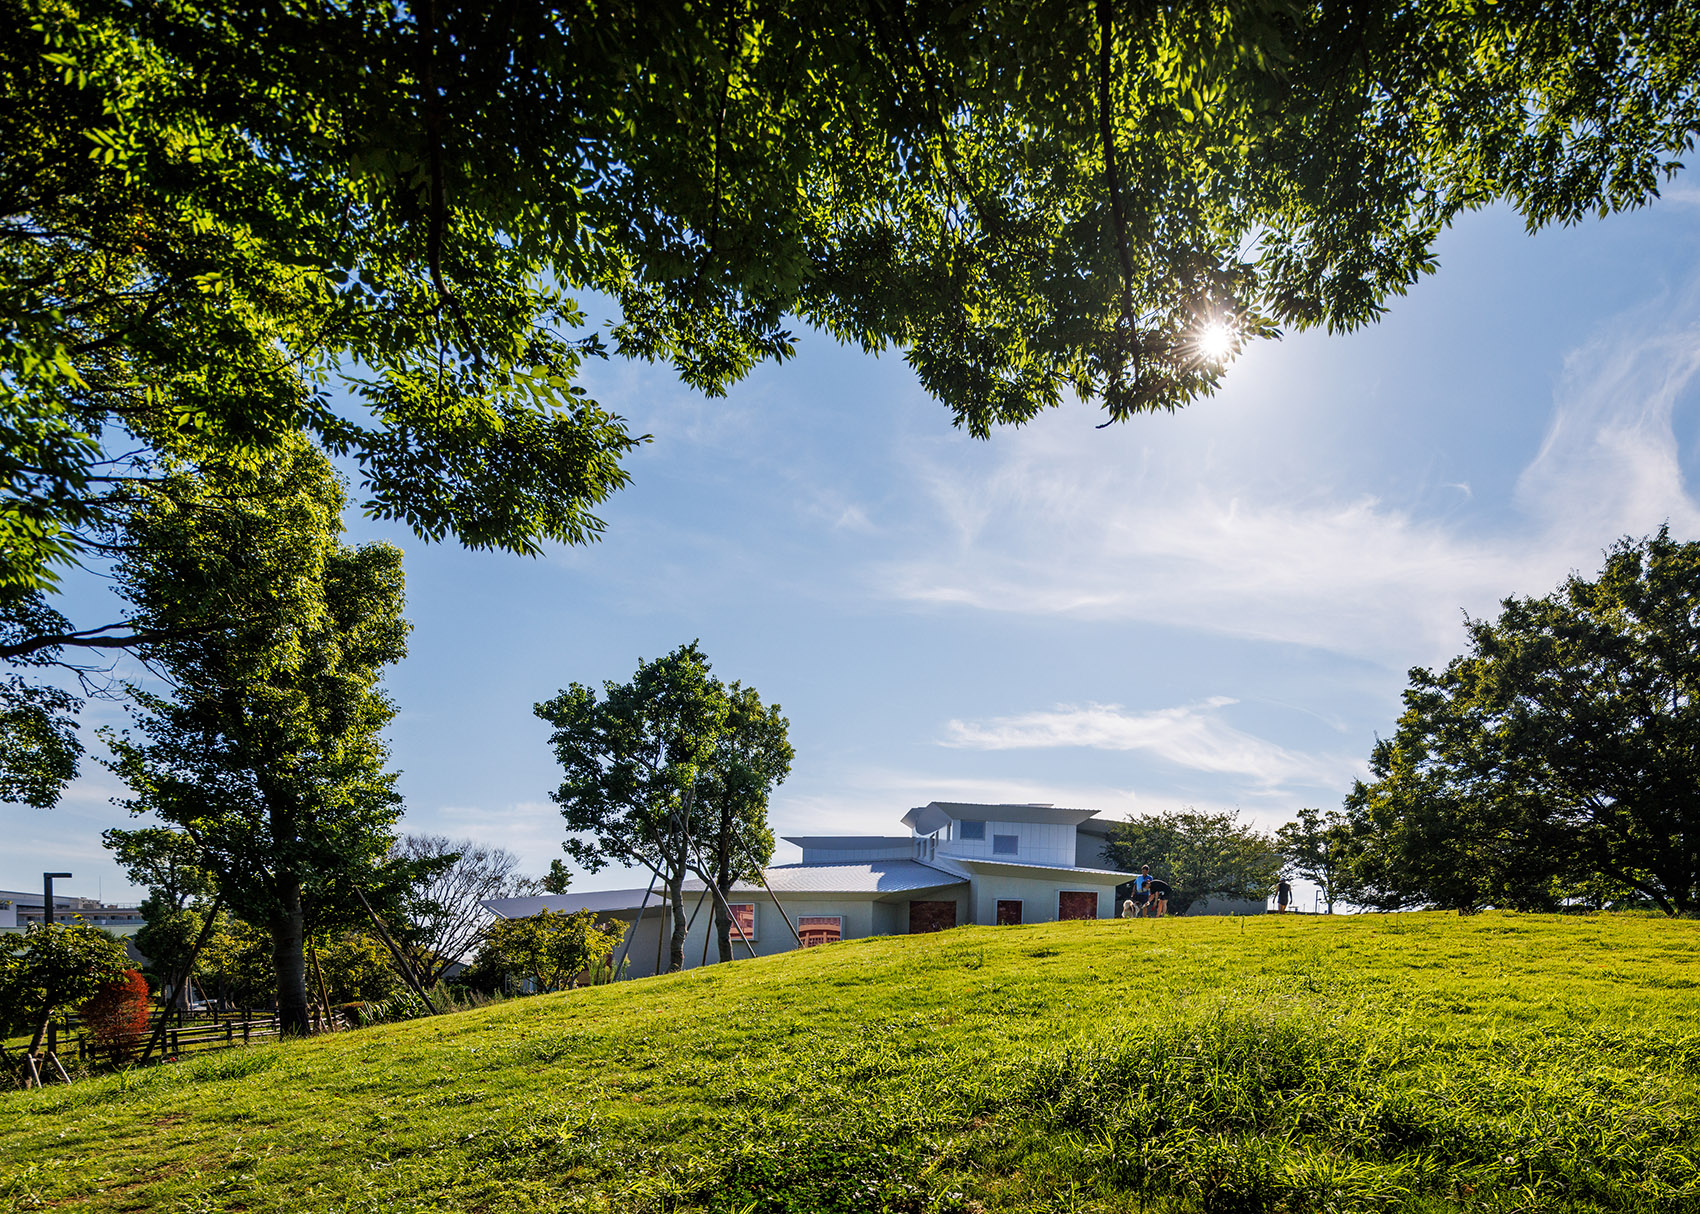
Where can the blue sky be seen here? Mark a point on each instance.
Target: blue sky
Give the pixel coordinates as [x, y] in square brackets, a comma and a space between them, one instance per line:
[1213, 608]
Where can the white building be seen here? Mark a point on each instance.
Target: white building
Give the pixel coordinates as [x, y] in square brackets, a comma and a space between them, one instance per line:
[960, 864]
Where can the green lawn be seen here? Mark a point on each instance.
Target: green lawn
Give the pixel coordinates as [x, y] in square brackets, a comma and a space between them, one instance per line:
[1402, 1062]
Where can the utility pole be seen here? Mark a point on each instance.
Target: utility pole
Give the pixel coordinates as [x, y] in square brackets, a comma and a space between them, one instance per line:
[47, 897]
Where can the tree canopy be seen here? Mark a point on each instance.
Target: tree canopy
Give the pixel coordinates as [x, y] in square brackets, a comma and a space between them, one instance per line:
[1557, 758]
[219, 219]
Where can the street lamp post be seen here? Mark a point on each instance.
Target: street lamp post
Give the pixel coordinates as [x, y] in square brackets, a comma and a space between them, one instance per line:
[47, 897]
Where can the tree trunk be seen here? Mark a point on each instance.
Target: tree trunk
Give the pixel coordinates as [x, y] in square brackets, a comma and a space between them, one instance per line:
[289, 960]
[676, 949]
[41, 1028]
[723, 882]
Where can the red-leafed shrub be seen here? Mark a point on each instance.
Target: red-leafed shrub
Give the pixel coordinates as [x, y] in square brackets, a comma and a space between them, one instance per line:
[115, 1021]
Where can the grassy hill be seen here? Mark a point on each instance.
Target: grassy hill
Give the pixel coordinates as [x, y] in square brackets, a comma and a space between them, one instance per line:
[1409, 1062]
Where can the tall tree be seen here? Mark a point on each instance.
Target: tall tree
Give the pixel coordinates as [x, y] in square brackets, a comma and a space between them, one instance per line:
[267, 749]
[1201, 855]
[1317, 846]
[734, 842]
[1560, 752]
[632, 757]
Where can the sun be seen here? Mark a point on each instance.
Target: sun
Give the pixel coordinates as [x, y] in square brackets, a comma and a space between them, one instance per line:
[1215, 341]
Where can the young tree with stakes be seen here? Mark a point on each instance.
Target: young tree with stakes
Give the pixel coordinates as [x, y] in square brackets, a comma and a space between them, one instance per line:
[632, 757]
[51, 967]
[733, 840]
[1317, 847]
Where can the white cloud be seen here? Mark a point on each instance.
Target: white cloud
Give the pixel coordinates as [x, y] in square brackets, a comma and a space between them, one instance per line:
[1050, 525]
[1193, 736]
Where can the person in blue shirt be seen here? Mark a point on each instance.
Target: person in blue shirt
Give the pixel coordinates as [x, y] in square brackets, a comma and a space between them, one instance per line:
[1141, 891]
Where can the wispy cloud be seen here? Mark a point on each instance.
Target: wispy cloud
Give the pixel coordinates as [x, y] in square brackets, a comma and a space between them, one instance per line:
[1048, 529]
[1193, 736]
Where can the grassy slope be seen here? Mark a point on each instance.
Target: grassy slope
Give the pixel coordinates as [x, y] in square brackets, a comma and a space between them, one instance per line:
[1411, 1062]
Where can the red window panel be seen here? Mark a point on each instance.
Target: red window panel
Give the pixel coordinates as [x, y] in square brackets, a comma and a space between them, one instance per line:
[1009, 912]
[744, 916]
[820, 929]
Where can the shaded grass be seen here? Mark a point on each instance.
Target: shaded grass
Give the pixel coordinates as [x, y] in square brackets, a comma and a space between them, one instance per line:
[1419, 1063]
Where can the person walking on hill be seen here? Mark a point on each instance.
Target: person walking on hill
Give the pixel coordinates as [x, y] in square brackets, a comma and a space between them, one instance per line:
[1283, 892]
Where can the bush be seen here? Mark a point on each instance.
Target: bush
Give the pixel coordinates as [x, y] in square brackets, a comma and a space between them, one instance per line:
[115, 1019]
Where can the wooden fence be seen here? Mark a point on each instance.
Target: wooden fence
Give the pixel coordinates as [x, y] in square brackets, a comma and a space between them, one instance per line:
[192, 1035]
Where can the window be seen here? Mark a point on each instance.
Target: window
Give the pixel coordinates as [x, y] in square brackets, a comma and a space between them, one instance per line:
[743, 916]
[1006, 845]
[972, 830]
[1077, 904]
[1009, 912]
[820, 929]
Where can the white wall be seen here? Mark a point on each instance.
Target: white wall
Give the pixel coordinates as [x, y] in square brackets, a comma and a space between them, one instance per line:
[861, 917]
[1038, 843]
[1038, 897]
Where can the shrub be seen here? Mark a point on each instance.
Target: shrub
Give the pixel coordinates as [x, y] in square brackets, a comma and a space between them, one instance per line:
[115, 1019]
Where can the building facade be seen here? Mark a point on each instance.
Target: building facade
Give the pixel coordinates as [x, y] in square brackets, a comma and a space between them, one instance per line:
[960, 863]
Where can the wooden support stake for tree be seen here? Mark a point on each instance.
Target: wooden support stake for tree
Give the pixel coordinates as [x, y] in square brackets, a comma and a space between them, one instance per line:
[401, 960]
[318, 973]
[762, 877]
[642, 906]
[158, 1035]
[719, 897]
[701, 898]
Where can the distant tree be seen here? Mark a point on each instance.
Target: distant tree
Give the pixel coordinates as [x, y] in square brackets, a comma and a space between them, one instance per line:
[238, 959]
[52, 967]
[445, 906]
[115, 1018]
[1201, 855]
[632, 757]
[164, 860]
[1559, 755]
[732, 838]
[1317, 847]
[551, 947]
[169, 864]
[557, 880]
[356, 967]
[267, 750]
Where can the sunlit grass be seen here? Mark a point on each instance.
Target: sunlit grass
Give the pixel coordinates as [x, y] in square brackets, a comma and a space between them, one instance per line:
[1418, 1063]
